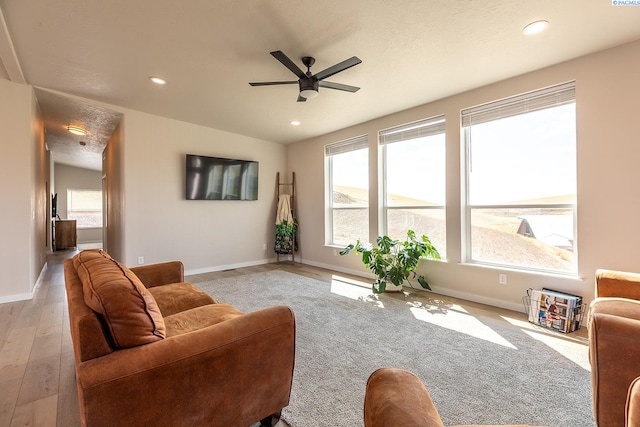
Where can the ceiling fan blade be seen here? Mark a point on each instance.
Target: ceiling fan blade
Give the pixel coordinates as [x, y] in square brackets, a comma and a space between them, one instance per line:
[301, 99]
[339, 86]
[347, 63]
[273, 83]
[284, 59]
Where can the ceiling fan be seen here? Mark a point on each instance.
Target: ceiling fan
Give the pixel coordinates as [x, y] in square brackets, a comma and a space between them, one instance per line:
[308, 82]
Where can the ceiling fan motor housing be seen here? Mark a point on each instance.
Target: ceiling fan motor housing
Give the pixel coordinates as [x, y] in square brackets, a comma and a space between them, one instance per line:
[308, 84]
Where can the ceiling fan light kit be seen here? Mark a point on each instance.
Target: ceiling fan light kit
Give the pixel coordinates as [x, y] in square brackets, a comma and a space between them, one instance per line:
[308, 88]
[309, 83]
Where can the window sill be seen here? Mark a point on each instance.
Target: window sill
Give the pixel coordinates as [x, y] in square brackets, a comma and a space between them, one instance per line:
[511, 269]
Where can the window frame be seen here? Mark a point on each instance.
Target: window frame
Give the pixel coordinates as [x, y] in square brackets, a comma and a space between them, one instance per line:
[360, 142]
[553, 96]
[70, 210]
[430, 126]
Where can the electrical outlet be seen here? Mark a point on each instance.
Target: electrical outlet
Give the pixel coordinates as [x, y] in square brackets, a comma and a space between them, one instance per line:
[140, 260]
[264, 246]
[502, 279]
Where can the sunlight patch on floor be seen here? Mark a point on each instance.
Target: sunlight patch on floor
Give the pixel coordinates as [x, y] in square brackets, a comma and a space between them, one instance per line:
[434, 306]
[460, 322]
[517, 322]
[576, 352]
[572, 349]
[354, 289]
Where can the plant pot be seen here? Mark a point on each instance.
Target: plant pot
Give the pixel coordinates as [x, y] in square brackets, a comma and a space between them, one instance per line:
[392, 288]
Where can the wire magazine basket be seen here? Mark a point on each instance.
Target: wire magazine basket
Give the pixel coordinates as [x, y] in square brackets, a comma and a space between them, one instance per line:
[554, 310]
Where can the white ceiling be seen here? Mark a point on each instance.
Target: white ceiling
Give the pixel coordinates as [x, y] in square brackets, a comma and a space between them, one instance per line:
[412, 52]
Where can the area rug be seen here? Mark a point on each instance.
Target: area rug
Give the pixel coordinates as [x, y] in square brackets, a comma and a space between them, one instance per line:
[475, 373]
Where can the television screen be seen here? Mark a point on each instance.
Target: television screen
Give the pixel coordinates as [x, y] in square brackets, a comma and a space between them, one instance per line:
[54, 205]
[216, 178]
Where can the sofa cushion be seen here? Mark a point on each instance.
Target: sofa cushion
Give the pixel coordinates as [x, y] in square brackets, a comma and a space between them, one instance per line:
[129, 310]
[198, 318]
[176, 297]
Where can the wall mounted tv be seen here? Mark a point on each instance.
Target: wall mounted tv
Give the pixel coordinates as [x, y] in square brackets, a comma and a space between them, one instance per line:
[217, 178]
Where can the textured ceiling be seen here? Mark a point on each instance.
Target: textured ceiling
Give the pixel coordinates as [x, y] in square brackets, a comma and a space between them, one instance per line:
[58, 111]
[412, 51]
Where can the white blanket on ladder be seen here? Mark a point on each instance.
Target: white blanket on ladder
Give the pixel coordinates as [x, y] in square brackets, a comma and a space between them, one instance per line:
[284, 209]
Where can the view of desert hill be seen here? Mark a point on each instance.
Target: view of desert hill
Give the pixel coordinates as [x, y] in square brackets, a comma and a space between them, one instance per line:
[495, 240]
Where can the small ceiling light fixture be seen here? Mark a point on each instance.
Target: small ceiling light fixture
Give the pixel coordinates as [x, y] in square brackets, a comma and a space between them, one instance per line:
[76, 129]
[535, 27]
[308, 93]
[158, 80]
[295, 123]
[308, 88]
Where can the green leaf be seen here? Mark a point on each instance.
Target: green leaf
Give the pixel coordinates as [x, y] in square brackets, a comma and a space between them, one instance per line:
[346, 250]
[423, 282]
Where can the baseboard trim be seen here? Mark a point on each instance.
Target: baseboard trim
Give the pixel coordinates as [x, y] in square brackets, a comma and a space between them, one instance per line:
[494, 302]
[16, 297]
[228, 266]
[40, 278]
[28, 295]
[337, 268]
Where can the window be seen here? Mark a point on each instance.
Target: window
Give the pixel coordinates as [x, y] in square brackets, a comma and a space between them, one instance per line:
[521, 181]
[85, 206]
[414, 181]
[347, 164]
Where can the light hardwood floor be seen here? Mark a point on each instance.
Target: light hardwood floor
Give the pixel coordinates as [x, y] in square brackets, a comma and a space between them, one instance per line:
[37, 378]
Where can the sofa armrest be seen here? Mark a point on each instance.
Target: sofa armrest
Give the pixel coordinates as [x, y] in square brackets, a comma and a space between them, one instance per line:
[614, 353]
[160, 274]
[232, 373]
[397, 398]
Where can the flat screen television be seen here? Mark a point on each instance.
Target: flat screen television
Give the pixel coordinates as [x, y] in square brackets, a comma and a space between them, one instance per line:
[217, 178]
[54, 205]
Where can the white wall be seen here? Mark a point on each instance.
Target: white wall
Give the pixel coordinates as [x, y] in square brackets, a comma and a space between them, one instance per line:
[23, 176]
[74, 178]
[161, 225]
[112, 169]
[608, 102]
[40, 198]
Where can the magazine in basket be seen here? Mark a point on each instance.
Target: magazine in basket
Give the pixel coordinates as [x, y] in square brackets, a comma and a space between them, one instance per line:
[554, 310]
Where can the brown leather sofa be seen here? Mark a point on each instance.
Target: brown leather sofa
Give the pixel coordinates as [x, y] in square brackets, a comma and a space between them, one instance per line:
[397, 398]
[614, 343]
[152, 350]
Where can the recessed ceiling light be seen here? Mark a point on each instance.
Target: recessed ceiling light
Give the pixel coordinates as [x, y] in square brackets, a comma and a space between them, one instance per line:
[158, 80]
[535, 28]
[295, 123]
[76, 130]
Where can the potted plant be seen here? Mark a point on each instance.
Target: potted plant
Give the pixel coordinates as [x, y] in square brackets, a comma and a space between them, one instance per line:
[393, 261]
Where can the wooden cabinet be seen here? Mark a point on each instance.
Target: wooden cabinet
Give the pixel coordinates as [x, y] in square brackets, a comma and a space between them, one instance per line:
[65, 234]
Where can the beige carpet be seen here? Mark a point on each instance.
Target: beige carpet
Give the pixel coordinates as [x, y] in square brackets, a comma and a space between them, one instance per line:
[476, 373]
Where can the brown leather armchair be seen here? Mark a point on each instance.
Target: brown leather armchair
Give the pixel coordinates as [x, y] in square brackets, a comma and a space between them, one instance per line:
[397, 398]
[614, 343]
